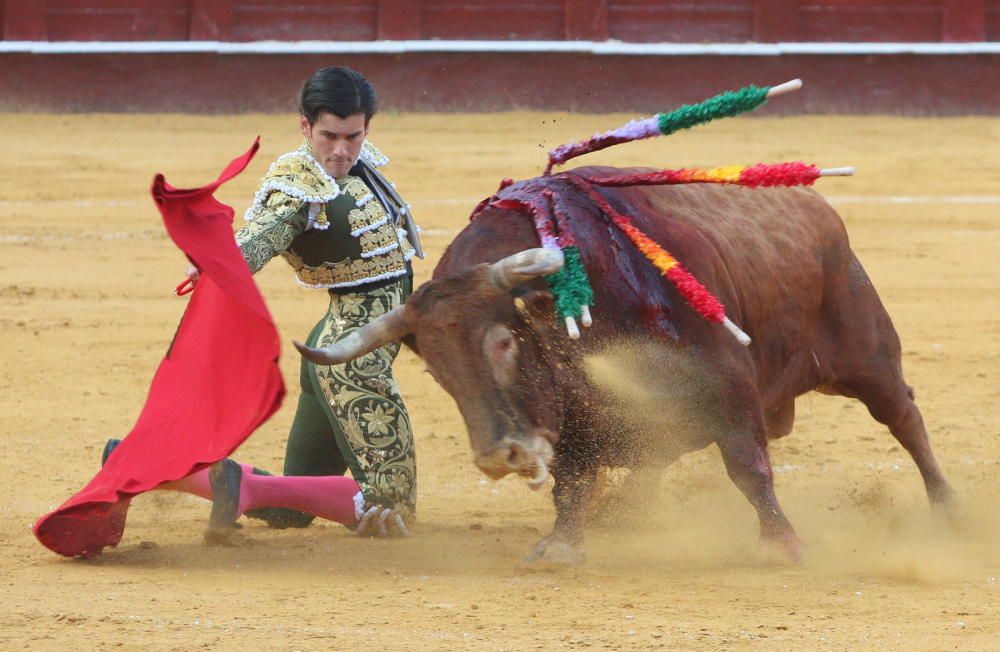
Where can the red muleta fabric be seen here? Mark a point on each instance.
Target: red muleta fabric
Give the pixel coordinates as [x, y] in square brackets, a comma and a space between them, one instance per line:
[218, 382]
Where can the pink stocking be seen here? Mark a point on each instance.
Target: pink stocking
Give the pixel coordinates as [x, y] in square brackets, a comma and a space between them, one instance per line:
[196, 483]
[331, 497]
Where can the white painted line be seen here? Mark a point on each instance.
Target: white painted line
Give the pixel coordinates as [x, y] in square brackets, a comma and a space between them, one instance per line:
[914, 199]
[472, 201]
[610, 48]
[78, 203]
[20, 238]
[448, 201]
[833, 199]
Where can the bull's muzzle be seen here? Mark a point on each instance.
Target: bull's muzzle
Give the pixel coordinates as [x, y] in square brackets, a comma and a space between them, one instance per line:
[529, 458]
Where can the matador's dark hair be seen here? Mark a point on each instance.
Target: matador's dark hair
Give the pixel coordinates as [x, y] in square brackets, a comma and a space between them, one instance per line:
[337, 90]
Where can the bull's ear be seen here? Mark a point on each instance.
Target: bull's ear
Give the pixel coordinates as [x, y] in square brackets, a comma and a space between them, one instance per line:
[533, 305]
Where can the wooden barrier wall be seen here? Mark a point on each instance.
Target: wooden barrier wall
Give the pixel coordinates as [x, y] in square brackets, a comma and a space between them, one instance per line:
[686, 21]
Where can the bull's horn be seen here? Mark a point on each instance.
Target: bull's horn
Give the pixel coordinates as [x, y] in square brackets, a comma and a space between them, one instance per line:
[524, 266]
[541, 475]
[390, 327]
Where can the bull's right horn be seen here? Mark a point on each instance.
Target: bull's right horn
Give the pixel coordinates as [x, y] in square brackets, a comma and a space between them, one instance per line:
[524, 266]
[390, 327]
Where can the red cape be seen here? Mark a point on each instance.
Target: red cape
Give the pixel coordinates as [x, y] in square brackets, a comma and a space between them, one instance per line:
[218, 382]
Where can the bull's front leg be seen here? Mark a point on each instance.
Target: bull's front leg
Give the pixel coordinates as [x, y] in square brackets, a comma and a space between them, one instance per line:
[749, 467]
[571, 494]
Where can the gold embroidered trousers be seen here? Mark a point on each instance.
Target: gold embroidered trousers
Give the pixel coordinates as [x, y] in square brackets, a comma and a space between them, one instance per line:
[362, 406]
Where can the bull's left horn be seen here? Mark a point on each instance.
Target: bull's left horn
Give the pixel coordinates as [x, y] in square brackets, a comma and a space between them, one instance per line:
[524, 266]
[390, 327]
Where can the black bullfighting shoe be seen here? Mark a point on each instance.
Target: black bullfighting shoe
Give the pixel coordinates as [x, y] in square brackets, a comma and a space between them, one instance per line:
[225, 478]
[108, 449]
[280, 518]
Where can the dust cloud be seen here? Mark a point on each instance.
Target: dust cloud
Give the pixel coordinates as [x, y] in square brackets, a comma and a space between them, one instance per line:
[688, 513]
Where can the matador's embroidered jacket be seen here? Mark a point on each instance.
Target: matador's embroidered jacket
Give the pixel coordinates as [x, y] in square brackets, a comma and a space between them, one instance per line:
[335, 233]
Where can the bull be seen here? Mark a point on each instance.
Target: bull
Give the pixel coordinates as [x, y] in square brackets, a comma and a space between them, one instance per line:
[779, 260]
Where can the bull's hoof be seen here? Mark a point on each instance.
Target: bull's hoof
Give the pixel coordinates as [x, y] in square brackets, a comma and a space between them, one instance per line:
[556, 552]
[785, 548]
[947, 509]
[951, 521]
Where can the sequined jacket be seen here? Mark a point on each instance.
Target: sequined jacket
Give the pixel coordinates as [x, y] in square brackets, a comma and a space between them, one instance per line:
[335, 233]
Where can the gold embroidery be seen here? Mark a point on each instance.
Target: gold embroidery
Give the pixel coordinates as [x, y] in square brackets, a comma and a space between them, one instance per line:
[281, 205]
[383, 249]
[271, 233]
[370, 213]
[293, 259]
[372, 154]
[355, 187]
[367, 213]
[406, 247]
[375, 430]
[296, 173]
[380, 238]
[347, 272]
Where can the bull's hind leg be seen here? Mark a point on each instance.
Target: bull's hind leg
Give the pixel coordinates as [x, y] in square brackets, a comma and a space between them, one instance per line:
[749, 467]
[890, 401]
[868, 366]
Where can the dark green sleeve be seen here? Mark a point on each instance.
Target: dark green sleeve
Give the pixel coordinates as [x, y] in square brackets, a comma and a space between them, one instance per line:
[282, 219]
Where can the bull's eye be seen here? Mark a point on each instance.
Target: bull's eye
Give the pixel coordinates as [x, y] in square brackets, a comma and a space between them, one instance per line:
[500, 350]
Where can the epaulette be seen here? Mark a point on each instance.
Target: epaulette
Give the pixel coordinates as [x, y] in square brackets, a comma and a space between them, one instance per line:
[299, 175]
[372, 155]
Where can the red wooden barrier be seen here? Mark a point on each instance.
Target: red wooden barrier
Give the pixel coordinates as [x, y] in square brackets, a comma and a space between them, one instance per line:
[697, 21]
[447, 81]
[586, 20]
[684, 21]
[211, 20]
[304, 20]
[491, 20]
[776, 21]
[400, 20]
[861, 20]
[24, 20]
[964, 20]
[711, 21]
[116, 20]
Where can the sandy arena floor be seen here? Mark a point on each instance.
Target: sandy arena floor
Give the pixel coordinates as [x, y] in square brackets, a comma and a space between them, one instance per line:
[86, 274]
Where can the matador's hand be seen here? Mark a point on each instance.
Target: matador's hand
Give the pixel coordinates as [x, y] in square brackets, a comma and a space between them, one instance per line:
[382, 522]
[187, 285]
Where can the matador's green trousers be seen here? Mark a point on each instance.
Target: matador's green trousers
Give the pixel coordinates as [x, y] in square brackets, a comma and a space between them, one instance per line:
[351, 415]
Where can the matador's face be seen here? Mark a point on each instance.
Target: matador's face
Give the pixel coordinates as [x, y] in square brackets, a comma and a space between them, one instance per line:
[336, 141]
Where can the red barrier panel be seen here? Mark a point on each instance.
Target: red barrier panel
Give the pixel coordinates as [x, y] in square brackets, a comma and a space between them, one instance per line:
[117, 20]
[904, 84]
[24, 20]
[644, 21]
